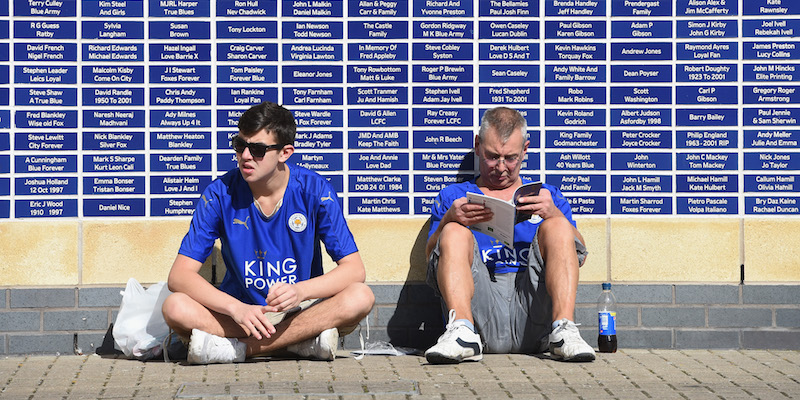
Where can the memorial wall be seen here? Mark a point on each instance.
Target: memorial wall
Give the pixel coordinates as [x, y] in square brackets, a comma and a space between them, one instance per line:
[125, 108]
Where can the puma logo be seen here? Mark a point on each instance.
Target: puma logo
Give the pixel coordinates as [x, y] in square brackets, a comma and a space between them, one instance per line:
[205, 200]
[237, 221]
[328, 197]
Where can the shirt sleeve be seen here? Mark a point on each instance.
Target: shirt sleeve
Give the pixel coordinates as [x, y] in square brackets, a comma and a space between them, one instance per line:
[440, 206]
[204, 228]
[562, 203]
[331, 225]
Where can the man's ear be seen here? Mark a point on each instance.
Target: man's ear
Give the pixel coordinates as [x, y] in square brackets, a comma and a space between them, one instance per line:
[477, 143]
[286, 152]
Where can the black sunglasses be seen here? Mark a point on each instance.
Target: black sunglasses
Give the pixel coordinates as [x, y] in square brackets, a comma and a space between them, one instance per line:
[256, 149]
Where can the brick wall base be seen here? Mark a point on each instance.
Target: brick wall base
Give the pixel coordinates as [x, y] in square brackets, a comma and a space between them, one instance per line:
[666, 316]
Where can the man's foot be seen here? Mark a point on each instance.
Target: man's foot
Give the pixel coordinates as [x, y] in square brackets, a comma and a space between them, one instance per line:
[567, 344]
[321, 347]
[458, 343]
[205, 348]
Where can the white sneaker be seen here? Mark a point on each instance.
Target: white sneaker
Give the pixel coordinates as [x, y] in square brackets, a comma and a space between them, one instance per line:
[458, 343]
[321, 347]
[205, 348]
[567, 344]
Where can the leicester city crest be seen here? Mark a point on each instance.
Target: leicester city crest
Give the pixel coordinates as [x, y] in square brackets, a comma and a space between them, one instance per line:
[298, 222]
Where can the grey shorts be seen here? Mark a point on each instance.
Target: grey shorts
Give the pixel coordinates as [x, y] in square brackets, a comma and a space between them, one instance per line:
[513, 314]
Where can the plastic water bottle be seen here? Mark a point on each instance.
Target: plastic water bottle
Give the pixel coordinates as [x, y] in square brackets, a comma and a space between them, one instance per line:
[607, 314]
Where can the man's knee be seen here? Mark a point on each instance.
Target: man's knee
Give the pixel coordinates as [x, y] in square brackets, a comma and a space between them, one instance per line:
[556, 226]
[454, 230]
[556, 233]
[175, 307]
[456, 237]
[359, 300]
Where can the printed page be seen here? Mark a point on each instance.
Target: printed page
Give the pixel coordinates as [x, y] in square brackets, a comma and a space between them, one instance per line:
[501, 226]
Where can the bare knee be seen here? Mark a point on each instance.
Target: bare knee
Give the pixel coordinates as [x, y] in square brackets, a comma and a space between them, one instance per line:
[175, 310]
[359, 300]
[351, 305]
[556, 226]
[557, 233]
[455, 237]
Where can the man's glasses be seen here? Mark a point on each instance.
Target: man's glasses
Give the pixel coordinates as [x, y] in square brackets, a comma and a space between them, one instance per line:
[256, 149]
[509, 161]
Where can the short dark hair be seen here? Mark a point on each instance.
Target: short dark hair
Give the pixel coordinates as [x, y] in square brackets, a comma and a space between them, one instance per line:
[505, 120]
[270, 117]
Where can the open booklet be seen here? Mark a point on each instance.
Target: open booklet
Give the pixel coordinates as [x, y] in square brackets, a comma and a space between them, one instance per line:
[501, 226]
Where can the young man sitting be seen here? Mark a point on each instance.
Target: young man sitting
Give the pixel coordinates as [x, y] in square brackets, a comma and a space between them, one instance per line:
[270, 218]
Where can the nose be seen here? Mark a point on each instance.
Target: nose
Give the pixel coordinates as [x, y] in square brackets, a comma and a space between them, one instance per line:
[246, 155]
[502, 162]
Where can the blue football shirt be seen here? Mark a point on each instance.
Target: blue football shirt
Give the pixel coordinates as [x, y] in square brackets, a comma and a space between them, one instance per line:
[260, 251]
[497, 257]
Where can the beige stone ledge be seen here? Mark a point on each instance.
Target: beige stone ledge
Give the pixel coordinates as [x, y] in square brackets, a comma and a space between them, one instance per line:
[772, 250]
[675, 249]
[595, 234]
[39, 252]
[392, 249]
[114, 251]
[105, 252]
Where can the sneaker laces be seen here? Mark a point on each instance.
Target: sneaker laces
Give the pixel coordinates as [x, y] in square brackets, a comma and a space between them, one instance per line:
[360, 339]
[167, 340]
[450, 328]
[451, 317]
[570, 328]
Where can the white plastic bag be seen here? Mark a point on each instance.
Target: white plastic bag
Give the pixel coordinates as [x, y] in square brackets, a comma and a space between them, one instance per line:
[140, 327]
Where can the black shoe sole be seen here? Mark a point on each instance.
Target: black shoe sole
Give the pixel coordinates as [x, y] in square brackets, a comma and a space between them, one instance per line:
[437, 358]
[585, 357]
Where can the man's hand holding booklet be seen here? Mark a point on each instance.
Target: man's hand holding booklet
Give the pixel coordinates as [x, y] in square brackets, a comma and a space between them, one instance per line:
[501, 226]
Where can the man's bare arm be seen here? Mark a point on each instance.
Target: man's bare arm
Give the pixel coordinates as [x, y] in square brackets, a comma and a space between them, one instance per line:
[350, 269]
[184, 277]
[462, 212]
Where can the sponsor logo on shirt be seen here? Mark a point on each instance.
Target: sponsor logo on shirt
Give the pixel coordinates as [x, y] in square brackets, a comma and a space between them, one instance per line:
[237, 221]
[261, 273]
[499, 254]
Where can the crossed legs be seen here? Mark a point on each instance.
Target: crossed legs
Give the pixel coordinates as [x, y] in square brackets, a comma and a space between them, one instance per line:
[346, 308]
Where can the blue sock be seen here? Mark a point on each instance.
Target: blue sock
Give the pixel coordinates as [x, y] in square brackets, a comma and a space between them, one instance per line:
[555, 324]
[467, 323]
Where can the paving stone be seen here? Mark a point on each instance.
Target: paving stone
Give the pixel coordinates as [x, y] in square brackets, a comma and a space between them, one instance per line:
[627, 374]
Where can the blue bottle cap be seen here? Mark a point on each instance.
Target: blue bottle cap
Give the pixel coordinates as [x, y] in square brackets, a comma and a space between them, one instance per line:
[607, 286]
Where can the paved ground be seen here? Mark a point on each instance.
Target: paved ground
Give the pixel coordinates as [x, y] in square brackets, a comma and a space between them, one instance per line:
[627, 374]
